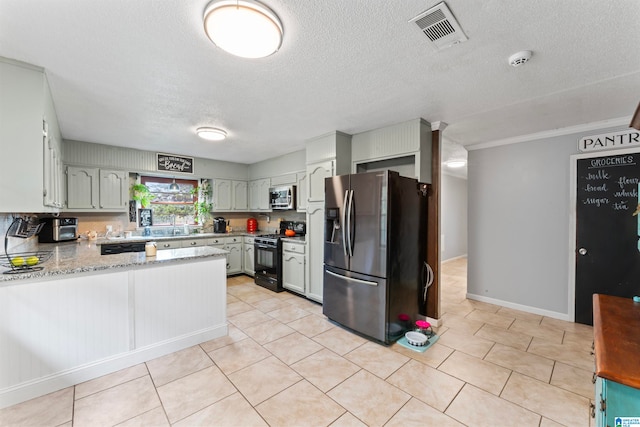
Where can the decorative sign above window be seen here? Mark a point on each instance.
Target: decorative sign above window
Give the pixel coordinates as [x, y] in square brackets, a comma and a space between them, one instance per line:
[174, 163]
[608, 141]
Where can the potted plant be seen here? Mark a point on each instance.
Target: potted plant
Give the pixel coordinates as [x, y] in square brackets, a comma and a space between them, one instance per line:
[142, 194]
[202, 202]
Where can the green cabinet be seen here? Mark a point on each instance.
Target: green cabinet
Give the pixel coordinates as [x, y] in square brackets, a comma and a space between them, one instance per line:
[615, 402]
[616, 339]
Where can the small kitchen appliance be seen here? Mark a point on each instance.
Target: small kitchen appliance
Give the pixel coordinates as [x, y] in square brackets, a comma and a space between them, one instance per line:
[58, 230]
[283, 197]
[219, 225]
[252, 225]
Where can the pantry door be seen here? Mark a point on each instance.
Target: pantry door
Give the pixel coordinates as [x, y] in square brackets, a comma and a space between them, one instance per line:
[607, 227]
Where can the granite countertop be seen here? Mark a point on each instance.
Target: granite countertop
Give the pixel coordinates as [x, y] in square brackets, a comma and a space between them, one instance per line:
[84, 256]
[132, 239]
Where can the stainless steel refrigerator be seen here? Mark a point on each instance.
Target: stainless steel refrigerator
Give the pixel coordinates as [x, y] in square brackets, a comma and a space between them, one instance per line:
[374, 253]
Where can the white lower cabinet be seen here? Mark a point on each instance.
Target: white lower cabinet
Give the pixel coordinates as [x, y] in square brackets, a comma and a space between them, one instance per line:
[293, 267]
[169, 244]
[248, 261]
[234, 258]
[315, 250]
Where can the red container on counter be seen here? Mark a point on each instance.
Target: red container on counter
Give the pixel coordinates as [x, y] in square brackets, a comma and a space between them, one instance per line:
[252, 225]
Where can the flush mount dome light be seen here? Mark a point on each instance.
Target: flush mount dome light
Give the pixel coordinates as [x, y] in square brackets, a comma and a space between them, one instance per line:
[243, 28]
[211, 134]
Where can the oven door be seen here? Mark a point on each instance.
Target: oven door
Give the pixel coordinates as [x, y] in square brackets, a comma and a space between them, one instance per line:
[267, 267]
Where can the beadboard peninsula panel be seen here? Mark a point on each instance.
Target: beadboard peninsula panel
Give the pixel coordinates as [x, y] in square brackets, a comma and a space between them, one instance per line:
[54, 326]
[173, 301]
[390, 141]
[132, 160]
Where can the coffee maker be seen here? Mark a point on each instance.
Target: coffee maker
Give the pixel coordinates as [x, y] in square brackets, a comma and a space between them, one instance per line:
[219, 225]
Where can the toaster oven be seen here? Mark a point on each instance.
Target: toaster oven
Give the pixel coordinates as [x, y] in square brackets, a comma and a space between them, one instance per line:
[58, 230]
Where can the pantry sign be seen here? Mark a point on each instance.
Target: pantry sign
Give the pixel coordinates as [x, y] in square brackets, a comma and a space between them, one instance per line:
[174, 163]
[607, 141]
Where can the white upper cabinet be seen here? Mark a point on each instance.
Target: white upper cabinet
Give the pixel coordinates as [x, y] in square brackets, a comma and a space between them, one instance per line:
[316, 173]
[29, 130]
[302, 189]
[93, 189]
[82, 188]
[239, 195]
[221, 199]
[259, 195]
[229, 195]
[114, 189]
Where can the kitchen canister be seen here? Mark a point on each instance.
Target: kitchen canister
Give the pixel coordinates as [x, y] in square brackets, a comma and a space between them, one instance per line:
[150, 248]
[252, 225]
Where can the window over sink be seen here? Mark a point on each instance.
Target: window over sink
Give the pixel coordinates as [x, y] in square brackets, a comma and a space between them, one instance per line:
[168, 204]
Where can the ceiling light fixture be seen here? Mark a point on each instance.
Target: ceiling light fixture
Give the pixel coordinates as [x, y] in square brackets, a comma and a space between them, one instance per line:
[173, 186]
[243, 28]
[211, 134]
[456, 163]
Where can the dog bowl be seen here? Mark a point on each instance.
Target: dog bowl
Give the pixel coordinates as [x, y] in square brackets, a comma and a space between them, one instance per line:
[416, 338]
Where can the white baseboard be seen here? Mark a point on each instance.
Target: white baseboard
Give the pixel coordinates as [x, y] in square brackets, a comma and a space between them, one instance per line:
[526, 308]
[41, 386]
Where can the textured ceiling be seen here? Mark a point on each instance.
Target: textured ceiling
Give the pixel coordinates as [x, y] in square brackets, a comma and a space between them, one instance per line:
[142, 73]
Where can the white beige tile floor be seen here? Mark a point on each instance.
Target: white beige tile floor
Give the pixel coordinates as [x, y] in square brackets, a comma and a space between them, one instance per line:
[284, 364]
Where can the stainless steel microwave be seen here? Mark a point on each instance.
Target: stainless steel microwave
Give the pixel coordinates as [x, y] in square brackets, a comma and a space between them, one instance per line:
[283, 197]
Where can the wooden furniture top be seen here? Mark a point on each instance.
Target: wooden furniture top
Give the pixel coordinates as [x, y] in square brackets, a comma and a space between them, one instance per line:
[616, 332]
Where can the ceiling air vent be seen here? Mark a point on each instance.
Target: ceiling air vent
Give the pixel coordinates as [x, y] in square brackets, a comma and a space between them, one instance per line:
[440, 26]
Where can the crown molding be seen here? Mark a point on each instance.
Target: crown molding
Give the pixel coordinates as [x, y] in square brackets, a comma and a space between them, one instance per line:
[587, 127]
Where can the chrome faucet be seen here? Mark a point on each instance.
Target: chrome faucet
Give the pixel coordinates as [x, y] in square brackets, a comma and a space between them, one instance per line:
[173, 223]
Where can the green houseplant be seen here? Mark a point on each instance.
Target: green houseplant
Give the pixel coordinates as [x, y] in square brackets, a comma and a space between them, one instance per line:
[202, 202]
[141, 193]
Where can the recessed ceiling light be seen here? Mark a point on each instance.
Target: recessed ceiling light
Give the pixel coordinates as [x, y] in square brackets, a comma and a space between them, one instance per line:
[243, 28]
[211, 134]
[455, 163]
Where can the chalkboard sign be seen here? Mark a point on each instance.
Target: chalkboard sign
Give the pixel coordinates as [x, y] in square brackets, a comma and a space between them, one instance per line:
[174, 163]
[145, 217]
[607, 229]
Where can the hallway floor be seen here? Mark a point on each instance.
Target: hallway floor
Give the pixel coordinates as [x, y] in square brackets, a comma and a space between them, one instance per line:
[284, 364]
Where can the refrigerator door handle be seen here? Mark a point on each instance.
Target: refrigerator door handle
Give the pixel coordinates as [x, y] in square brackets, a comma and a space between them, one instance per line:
[428, 281]
[344, 221]
[351, 279]
[349, 215]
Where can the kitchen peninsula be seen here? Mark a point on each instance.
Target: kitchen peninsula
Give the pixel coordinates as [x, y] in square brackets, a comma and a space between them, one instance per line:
[85, 315]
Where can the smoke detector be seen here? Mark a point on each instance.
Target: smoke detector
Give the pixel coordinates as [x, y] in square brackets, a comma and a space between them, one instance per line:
[440, 26]
[520, 58]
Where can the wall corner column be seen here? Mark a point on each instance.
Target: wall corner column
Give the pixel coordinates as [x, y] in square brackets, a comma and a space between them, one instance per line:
[433, 220]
